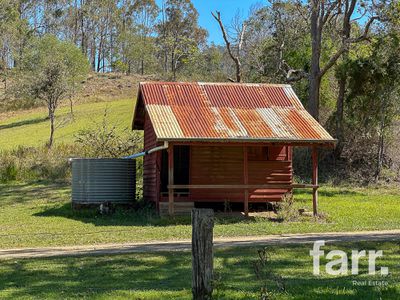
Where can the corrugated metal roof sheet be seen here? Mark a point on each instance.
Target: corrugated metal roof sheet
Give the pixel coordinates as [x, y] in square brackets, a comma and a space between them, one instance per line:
[225, 111]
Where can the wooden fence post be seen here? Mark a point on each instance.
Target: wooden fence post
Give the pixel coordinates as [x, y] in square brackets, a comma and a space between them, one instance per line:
[202, 253]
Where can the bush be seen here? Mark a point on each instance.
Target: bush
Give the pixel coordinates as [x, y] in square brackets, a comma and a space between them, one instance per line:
[104, 141]
[286, 210]
[8, 170]
[32, 164]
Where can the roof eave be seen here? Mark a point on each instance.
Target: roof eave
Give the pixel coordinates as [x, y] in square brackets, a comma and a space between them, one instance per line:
[331, 142]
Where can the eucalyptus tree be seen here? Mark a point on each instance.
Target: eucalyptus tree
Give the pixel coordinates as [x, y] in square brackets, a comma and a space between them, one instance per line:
[9, 22]
[179, 34]
[52, 70]
[136, 29]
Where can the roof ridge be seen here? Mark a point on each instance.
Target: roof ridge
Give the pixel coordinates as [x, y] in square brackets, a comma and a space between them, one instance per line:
[216, 83]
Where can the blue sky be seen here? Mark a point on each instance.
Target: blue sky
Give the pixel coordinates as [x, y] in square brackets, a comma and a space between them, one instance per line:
[228, 9]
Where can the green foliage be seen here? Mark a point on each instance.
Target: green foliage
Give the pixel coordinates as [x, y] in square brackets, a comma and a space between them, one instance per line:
[51, 70]
[372, 104]
[137, 45]
[286, 210]
[104, 140]
[179, 35]
[32, 164]
[49, 61]
[8, 169]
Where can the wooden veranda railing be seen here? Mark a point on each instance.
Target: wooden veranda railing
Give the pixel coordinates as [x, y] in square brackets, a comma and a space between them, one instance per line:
[245, 187]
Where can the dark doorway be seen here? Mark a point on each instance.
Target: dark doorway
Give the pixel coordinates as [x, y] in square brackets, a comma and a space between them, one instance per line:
[181, 168]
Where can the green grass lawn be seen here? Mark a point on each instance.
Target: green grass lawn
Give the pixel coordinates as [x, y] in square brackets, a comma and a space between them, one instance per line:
[35, 215]
[168, 275]
[33, 129]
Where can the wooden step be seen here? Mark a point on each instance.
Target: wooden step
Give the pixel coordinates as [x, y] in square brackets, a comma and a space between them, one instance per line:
[180, 208]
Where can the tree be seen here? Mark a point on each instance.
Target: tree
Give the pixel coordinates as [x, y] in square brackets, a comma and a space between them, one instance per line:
[179, 34]
[146, 12]
[235, 50]
[373, 101]
[350, 14]
[277, 44]
[322, 14]
[53, 69]
[327, 38]
[10, 25]
[136, 26]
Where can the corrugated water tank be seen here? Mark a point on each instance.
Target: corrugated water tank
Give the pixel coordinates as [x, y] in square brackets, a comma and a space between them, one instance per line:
[98, 180]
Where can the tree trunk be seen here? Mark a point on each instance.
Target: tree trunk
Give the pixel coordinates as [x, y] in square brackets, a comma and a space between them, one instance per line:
[313, 100]
[173, 69]
[100, 54]
[71, 109]
[76, 20]
[202, 253]
[339, 118]
[346, 31]
[315, 71]
[52, 129]
[379, 158]
[238, 71]
[379, 161]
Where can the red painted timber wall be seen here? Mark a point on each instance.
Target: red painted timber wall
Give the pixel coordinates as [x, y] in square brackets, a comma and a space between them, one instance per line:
[224, 165]
[151, 164]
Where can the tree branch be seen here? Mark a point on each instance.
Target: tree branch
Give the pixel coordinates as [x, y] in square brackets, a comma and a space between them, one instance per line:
[346, 44]
[235, 59]
[367, 27]
[224, 34]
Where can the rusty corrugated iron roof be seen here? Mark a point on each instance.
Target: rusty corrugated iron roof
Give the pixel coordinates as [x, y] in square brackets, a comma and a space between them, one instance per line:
[182, 111]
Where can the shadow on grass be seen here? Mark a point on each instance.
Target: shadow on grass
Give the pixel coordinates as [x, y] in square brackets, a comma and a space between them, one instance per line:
[168, 275]
[331, 193]
[20, 193]
[129, 217]
[23, 123]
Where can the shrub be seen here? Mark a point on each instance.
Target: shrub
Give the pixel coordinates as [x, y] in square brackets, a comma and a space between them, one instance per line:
[8, 170]
[104, 141]
[31, 164]
[286, 210]
[266, 275]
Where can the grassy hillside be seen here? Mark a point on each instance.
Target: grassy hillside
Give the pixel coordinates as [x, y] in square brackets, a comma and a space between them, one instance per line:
[31, 128]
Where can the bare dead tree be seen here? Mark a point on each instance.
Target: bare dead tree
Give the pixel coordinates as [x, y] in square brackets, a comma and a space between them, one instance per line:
[235, 55]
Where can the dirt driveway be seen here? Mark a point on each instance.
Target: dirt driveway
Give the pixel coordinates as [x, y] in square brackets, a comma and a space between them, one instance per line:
[185, 245]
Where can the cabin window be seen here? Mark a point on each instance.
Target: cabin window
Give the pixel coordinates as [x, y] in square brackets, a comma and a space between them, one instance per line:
[271, 153]
[181, 168]
[257, 153]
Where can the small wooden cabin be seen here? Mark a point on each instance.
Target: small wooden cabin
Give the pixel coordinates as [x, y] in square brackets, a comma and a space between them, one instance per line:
[224, 142]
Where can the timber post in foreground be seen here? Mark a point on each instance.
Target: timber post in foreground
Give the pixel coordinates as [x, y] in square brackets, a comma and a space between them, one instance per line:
[202, 253]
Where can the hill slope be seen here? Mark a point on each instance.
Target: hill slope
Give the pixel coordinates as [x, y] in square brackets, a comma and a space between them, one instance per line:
[114, 93]
[31, 128]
